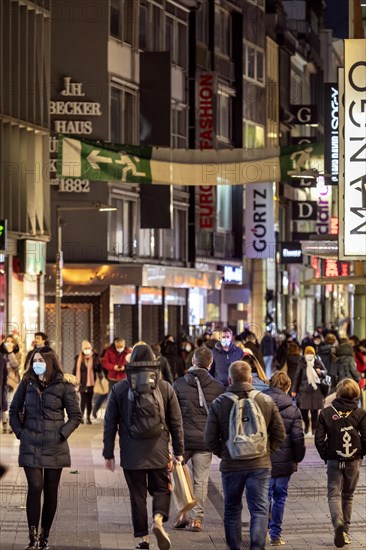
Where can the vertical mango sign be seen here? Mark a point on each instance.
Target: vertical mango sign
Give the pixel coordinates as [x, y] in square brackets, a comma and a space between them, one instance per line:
[355, 149]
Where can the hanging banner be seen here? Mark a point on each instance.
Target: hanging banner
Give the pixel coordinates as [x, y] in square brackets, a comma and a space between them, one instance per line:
[355, 148]
[304, 210]
[331, 138]
[297, 161]
[206, 139]
[260, 241]
[341, 165]
[103, 161]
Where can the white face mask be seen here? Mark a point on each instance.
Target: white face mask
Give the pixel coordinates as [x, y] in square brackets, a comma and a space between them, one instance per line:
[9, 346]
[225, 342]
[120, 350]
[87, 351]
[309, 357]
[188, 347]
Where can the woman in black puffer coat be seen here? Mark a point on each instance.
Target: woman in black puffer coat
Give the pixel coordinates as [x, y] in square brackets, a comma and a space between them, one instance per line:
[37, 417]
[285, 459]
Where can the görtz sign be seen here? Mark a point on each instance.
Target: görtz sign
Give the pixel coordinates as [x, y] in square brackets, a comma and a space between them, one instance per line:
[355, 148]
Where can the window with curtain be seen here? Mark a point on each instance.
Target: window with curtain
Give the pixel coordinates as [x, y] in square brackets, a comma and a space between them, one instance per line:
[123, 116]
[224, 207]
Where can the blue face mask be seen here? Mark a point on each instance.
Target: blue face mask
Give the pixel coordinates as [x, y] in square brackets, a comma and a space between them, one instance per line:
[39, 368]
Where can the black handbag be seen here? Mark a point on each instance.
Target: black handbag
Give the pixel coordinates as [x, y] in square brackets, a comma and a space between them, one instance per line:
[325, 385]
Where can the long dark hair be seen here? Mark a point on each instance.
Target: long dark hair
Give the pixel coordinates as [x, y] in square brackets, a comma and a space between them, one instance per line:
[53, 365]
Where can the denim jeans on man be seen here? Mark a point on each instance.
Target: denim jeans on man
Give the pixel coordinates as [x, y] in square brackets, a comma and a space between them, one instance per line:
[256, 483]
[277, 499]
[201, 462]
[342, 483]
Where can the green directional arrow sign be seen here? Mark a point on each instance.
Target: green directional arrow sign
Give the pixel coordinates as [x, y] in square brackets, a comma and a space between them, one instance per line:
[103, 162]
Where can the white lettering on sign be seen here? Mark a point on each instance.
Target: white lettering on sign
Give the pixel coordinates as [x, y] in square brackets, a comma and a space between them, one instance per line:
[355, 149]
[334, 135]
[291, 253]
[233, 274]
[70, 108]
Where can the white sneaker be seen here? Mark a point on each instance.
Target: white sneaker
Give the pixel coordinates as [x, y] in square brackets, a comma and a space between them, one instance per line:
[162, 536]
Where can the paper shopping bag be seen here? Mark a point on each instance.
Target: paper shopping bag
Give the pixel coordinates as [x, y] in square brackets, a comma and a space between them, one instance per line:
[182, 489]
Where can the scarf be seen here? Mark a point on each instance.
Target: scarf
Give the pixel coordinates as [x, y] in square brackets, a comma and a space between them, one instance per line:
[313, 378]
[88, 362]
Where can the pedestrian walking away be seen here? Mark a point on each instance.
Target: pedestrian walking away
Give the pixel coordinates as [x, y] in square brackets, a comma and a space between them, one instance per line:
[196, 390]
[37, 417]
[285, 460]
[251, 474]
[341, 442]
[145, 411]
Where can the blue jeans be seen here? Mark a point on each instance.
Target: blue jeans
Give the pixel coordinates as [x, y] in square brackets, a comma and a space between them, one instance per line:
[256, 484]
[277, 499]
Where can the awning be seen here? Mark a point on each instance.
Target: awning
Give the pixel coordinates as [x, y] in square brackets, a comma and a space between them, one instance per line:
[86, 278]
[340, 280]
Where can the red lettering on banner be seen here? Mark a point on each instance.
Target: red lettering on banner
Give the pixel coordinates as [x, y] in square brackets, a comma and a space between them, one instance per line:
[331, 268]
[206, 140]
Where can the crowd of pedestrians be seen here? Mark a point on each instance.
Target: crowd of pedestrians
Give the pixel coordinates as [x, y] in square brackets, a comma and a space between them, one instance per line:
[251, 403]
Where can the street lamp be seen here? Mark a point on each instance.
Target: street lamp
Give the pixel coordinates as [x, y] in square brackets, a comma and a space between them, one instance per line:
[100, 207]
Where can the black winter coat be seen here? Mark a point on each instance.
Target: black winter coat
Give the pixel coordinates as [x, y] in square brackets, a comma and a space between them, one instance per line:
[292, 361]
[346, 362]
[307, 397]
[194, 415]
[43, 433]
[222, 360]
[3, 380]
[292, 451]
[141, 454]
[217, 429]
[326, 423]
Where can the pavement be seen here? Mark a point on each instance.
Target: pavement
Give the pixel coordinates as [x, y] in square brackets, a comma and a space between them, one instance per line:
[94, 506]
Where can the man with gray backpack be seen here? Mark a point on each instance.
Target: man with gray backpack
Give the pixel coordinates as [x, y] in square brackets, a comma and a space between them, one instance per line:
[243, 427]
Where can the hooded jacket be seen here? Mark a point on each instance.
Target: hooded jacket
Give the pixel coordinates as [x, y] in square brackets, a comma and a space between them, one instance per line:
[222, 360]
[327, 422]
[195, 415]
[346, 362]
[292, 450]
[217, 429]
[142, 454]
[43, 432]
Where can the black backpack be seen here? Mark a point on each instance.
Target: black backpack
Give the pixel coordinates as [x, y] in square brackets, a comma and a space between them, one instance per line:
[344, 440]
[146, 411]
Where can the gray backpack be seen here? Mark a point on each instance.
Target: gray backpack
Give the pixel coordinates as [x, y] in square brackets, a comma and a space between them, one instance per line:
[247, 428]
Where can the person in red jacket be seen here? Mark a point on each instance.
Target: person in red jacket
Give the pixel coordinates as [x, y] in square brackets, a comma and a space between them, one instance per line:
[114, 361]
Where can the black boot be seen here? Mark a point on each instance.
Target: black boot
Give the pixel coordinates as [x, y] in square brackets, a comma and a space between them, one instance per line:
[43, 540]
[33, 539]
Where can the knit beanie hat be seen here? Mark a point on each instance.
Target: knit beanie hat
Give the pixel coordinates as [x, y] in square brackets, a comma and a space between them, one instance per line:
[309, 349]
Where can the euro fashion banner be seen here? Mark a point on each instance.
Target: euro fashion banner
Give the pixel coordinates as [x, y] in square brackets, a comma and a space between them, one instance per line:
[103, 161]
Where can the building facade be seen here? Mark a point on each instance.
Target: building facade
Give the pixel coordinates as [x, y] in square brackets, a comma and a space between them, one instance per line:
[24, 182]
